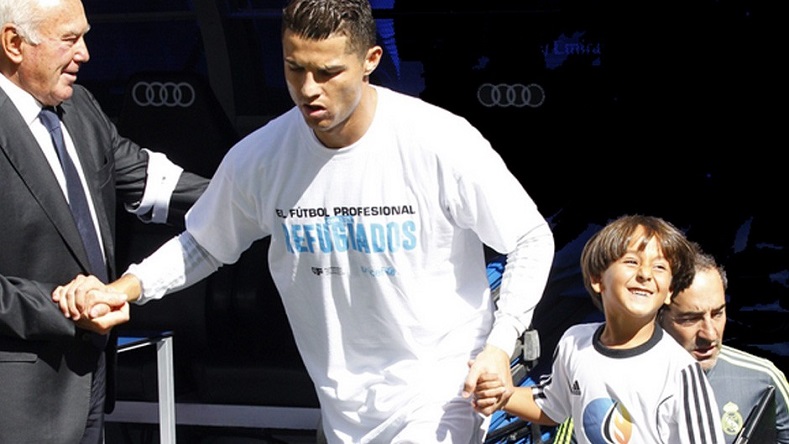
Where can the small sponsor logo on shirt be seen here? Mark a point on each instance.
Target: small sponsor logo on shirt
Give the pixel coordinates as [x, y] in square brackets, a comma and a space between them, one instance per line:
[321, 271]
[381, 271]
[575, 389]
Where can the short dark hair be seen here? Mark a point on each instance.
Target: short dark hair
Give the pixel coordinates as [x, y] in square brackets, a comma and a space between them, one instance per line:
[704, 261]
[320, 19]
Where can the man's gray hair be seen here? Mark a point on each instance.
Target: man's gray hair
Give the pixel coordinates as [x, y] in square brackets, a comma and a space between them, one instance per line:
[23, 14]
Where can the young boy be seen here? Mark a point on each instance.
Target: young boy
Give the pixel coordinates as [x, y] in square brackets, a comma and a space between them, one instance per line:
[624, 380]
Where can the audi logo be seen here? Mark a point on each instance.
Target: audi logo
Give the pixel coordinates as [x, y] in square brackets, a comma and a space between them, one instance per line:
[168, 94]
[504, 95]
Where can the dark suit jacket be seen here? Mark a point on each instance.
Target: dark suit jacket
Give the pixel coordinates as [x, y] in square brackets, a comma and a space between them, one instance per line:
[45, 361]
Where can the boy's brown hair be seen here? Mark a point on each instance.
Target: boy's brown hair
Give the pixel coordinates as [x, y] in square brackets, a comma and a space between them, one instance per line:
[610, 243]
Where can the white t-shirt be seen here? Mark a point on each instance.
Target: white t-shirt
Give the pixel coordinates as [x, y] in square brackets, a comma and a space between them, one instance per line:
[377, 252]
[654, 393]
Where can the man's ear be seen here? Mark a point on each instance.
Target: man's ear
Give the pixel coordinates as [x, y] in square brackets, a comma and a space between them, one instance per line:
[372, 59]
[12, 43]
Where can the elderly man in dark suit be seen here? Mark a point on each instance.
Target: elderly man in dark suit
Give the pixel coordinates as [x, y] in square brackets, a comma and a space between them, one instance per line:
[55, 373]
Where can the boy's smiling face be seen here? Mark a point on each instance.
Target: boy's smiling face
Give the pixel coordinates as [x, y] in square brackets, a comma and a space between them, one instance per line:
[636, 285]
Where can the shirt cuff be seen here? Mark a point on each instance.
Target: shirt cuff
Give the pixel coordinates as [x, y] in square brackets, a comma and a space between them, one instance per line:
[504, 335]
[162, 178]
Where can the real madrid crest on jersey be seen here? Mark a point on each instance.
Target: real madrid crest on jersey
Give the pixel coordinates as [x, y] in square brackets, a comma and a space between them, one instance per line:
[731, 421]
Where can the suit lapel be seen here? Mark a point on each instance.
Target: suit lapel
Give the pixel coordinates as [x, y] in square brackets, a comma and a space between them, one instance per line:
[21, 150]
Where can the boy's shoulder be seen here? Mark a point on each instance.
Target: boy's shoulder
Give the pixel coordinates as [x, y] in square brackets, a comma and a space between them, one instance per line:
[586, 328]
[581, 332]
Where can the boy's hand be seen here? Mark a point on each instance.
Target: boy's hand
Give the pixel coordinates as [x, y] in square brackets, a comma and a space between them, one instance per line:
[488, 393]
[492, 363]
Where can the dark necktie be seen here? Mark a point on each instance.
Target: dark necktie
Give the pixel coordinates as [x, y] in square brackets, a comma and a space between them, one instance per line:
[78, 202]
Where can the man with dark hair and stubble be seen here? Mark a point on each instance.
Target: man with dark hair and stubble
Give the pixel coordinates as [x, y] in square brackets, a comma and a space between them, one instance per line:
[379, 206]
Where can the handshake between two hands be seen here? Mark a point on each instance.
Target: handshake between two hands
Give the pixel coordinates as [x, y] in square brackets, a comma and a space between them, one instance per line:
[91, 304]
[489, 382]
